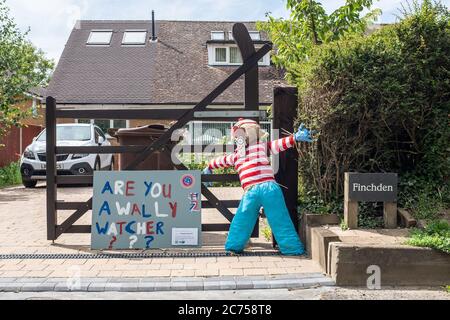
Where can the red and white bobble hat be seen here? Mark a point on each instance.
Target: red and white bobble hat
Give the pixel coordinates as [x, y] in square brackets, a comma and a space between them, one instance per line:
[242, 124]
[248, 124]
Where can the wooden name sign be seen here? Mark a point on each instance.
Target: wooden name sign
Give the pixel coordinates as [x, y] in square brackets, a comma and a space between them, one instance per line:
[370, 187]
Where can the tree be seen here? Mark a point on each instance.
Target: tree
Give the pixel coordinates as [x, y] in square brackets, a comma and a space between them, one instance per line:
[22, 67]
[309, 25]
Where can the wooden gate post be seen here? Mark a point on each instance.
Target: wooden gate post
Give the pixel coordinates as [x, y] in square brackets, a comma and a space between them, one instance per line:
[50, 124]
[284, 111]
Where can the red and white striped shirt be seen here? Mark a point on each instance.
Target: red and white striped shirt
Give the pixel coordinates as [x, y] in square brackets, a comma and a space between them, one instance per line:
[254, 167]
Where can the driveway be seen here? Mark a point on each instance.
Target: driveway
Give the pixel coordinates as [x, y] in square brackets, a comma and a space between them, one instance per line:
[23, 231]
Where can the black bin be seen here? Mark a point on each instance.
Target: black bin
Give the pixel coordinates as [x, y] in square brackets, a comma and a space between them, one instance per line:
[144, 136]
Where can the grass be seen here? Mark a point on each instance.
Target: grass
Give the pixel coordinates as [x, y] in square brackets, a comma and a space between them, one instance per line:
[435, 235]
[266, 231]
[10, 175]
[343, 225]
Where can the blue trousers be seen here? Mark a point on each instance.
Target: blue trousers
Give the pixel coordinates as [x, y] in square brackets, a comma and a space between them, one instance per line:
[269, 196]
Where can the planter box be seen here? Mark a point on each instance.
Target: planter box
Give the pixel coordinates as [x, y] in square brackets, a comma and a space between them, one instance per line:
[309, 221]
[399, 265]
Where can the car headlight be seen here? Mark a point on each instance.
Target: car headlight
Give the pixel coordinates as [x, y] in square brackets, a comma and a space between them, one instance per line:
[79, 156]
[28, 154]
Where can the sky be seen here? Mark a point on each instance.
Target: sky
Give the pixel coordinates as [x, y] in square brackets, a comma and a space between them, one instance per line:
[51, 21]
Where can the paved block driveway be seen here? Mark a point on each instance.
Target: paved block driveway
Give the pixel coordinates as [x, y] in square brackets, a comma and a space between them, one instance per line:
[23, 231]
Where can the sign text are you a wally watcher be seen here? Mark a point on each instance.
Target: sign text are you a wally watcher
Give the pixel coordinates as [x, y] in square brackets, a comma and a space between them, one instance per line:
[146, 209]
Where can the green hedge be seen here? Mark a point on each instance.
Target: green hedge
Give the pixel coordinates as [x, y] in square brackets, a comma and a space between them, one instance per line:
[381, 102]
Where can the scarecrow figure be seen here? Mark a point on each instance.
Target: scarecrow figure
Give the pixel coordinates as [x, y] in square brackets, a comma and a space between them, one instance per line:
[250, 159]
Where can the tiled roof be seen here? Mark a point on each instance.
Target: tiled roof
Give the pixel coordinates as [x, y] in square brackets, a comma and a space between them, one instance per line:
[173, 70]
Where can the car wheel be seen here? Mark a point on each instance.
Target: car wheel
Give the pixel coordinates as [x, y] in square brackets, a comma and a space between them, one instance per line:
[29, 183]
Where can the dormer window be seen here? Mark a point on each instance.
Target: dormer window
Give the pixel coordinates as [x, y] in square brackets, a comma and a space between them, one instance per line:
[235, 55]
[218, 35]
[100, 37]
[228, 54]
[220, 55]
[134, 37]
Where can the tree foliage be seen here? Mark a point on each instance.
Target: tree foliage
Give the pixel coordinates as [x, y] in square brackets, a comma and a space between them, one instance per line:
[309, 25]
[22, 67]
[381, 103]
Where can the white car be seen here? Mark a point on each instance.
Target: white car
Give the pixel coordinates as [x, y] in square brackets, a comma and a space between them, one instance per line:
[33, 160]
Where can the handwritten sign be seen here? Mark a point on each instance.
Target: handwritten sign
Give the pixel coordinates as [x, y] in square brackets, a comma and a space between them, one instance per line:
[146, 209]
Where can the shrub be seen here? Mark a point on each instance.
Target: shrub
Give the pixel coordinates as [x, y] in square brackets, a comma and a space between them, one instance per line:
[435, 235]
[10, 175]
[381, 103]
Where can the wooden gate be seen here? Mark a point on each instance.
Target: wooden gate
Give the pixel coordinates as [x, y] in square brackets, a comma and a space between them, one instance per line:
[249, 68]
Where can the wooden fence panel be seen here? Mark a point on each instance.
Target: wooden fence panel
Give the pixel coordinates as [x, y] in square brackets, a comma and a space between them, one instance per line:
[15, 143]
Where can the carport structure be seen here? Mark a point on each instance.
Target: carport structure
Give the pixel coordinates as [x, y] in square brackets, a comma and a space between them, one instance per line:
[284, 112]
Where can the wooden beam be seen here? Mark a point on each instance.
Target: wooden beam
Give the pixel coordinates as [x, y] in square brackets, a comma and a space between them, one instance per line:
[214, 227]
[50, 123]
[213, 148]
[78, 229]
[121, 114]
[247, 48]
[226, 203]
[100, 150]
[62, 205]
[220, 177]
[229, 114]
[207, 227]
[284, 112]
[75, 179]
[73, 218]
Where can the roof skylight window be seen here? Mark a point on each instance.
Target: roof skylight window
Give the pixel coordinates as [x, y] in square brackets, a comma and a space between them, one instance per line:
[100, 37]
[134, 37]
[255, 35]
[217, 35]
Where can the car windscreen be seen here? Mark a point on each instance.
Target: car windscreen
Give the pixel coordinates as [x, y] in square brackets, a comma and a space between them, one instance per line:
[70, 133]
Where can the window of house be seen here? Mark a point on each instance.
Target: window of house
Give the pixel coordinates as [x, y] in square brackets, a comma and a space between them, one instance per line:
[217, 35]
[235, 55]
[118, 124]
[134, 37]
[229, 54]
[221, 55]
[106, 124]
[100, 37]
